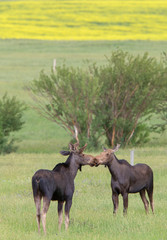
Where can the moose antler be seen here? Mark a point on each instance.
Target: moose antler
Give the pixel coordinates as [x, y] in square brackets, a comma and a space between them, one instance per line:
[83, 148]
[117, 147]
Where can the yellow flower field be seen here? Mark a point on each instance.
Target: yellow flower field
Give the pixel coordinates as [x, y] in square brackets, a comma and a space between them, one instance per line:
[83, 19]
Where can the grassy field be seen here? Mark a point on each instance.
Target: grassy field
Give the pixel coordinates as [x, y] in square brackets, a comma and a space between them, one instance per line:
[91, 212]
[22, 60]
[86, 20]
[40, 140]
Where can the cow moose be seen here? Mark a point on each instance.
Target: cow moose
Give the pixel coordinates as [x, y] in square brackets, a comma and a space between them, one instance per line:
[126, 179]
[58, 184]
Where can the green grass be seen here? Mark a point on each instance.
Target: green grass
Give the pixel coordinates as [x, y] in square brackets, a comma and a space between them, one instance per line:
[22, 60]
[91, 212]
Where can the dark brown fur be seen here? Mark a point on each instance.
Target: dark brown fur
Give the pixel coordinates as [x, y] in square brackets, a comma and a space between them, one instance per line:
[58, 185]
[127, 179]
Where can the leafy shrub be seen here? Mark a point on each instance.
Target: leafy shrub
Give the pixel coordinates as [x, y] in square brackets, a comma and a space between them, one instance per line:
[132, 89]
[68, 98]
[11, 111]
[111, 99]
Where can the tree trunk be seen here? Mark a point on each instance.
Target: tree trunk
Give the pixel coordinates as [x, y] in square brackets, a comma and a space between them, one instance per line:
[113, 136]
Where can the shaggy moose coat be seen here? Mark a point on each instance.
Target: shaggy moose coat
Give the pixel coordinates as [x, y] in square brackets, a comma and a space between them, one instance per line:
[58, 185]
[127, 179]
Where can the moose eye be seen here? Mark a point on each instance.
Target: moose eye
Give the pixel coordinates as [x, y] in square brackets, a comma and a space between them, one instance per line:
[107, 154]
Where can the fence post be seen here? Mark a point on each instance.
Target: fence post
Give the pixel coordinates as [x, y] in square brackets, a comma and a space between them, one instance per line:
[132, 157]
[54, 64]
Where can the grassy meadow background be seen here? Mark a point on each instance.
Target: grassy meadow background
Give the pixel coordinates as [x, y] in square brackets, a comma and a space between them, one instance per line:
[32, 34]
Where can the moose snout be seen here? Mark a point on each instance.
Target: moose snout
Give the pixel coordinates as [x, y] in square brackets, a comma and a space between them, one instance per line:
[96, 162]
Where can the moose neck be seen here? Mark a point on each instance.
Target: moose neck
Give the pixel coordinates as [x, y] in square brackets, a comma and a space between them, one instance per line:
[114, 167]
[73, 166]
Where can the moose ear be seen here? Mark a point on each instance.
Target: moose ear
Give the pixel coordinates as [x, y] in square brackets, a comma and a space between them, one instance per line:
[105, 149]
[65, 153]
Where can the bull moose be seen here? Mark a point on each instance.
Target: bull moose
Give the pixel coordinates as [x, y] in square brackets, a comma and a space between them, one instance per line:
[126, 179]
[58, 184]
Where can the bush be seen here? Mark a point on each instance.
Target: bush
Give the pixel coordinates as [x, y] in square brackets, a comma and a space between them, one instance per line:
[133, 87]
[68, 98]
[112, 99]
[11, 111]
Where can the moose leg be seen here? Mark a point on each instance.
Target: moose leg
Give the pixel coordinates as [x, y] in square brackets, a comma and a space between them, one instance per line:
[60, 213]
[46, 203]
[150, 195]
[37, 201]
[125, 202]
[67, 210]
[115, 202]
[144, 199]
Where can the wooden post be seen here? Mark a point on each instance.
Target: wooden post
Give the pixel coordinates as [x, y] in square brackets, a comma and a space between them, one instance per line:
[54, 64]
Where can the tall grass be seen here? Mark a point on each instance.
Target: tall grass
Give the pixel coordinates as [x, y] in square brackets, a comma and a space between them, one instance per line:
[91, 212]
[86, 20]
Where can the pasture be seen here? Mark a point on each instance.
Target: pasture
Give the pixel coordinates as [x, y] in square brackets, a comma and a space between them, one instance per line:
[91, 212]
[40, 142]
